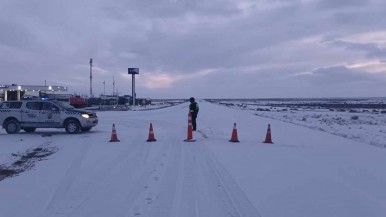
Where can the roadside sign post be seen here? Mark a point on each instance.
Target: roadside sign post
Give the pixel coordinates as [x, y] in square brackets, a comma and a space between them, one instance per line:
[133, 72]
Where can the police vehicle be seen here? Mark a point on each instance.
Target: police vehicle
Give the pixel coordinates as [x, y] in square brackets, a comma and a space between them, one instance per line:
[31, 114]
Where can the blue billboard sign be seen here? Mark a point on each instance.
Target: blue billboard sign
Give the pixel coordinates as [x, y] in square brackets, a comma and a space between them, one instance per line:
[133, 71]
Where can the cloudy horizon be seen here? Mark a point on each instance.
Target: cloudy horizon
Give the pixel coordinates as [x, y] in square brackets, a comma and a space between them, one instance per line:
[203, 48]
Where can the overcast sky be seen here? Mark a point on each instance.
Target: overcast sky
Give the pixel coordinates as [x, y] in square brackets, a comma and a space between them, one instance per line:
[201, 48]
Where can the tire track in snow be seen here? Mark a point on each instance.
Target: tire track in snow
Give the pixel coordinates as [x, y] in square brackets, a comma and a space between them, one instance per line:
[233, 199]
[69, 178]
[191, 183]
[124, 185]
[156, 198]
[175, 179]
[213, 191]
[190, 187]
[103, 177]
[76, 189]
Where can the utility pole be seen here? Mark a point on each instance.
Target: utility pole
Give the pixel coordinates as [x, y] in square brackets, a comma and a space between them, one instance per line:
[104, 88]
[113, 85]
[91, 95]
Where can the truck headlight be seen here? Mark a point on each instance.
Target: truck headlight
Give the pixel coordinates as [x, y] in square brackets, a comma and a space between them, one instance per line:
[85, 116]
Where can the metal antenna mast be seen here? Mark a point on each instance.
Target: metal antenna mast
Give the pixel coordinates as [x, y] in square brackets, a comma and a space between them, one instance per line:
[113, 86]
[104, 88]
[91, 95]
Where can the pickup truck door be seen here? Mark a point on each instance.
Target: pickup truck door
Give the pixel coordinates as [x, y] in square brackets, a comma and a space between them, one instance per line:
[50, 115]
[31, 114]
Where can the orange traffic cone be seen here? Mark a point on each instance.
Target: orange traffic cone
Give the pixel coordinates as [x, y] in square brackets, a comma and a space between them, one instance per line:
[190, 129]
[114, 137]
[234, 134]
[151, 137]
[268, 138]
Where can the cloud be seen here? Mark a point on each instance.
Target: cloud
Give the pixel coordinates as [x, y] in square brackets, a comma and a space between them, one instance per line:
[338, 75]
[372, 50]
[15, 35]
[178, 45]
[338, 4]
[369, 66]
[167, 80]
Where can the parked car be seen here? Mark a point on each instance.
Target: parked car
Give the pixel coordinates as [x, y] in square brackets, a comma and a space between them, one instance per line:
[32, 114]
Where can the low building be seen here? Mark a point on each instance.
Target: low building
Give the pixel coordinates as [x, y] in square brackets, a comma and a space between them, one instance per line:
[18, 92]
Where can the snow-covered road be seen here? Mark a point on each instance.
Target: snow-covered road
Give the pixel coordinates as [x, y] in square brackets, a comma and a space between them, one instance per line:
[305, 173]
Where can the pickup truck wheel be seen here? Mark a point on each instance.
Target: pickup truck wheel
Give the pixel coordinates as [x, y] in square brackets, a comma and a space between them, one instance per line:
[29, 129]
[72, 127]
[12, 127]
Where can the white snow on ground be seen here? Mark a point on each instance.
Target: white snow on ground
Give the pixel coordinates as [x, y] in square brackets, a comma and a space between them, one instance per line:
[360, 124]
[304, 173]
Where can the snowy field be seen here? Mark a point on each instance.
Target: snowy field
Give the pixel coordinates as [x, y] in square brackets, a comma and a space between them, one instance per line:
[307, 172]
[362, 120]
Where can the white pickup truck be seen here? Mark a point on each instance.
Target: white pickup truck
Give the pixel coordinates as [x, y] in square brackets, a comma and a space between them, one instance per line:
[31, 114]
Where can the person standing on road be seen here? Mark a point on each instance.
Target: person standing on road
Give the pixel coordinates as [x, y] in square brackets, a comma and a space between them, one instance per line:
[193, 109]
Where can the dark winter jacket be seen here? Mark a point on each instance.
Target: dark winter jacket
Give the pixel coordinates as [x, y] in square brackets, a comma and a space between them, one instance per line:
[193, 108]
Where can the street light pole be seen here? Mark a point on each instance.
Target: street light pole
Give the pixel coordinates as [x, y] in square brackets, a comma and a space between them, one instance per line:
[91, 95]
